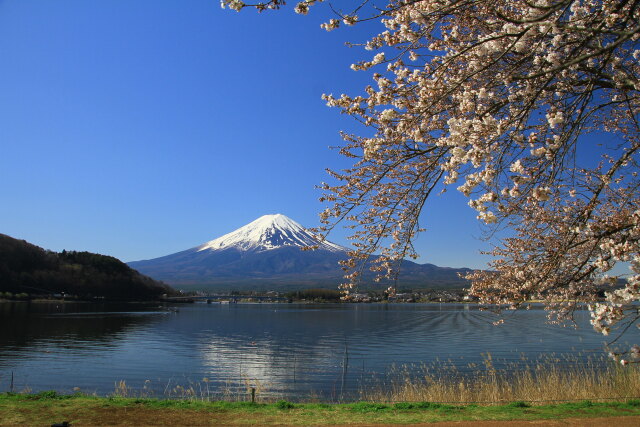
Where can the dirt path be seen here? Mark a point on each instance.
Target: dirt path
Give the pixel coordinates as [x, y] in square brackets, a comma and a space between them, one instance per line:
[633, 421]
[86, 411]
[134, 418]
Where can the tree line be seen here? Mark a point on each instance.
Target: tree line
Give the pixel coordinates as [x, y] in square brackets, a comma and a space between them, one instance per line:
[29, 269]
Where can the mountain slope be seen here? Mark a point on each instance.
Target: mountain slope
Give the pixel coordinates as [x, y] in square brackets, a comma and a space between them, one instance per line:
[269, 232]
[267, 253]
[26, 268]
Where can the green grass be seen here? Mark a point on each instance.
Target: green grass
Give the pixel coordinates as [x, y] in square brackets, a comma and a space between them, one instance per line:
[49, 407]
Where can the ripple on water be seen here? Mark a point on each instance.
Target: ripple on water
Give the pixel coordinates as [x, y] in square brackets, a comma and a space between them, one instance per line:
[284, 348]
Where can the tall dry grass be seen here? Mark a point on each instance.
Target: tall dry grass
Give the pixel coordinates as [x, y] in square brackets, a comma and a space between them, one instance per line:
[195, 390]
[550, 379]
[544, 381]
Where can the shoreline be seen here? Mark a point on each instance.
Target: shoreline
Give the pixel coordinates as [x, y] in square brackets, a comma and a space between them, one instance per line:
[78, 301]
[48, 408]
[250, 301]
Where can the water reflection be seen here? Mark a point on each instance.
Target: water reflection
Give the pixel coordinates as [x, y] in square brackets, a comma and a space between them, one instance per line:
[29, 326]
[65, 345]
[284, 350]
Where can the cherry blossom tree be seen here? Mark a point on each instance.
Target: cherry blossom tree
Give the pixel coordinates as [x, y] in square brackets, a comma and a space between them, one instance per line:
[530, 109]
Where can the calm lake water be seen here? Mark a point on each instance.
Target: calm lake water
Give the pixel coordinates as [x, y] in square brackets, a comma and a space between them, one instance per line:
[284, 350]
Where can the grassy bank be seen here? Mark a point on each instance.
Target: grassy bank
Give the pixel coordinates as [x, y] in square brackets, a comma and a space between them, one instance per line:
[47, 408]
[546, 380]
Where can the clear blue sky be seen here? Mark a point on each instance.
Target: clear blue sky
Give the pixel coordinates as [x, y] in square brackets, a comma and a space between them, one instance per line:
[141, 128]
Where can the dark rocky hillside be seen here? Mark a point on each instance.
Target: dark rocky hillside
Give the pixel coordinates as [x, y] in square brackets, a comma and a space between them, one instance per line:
[26, 268]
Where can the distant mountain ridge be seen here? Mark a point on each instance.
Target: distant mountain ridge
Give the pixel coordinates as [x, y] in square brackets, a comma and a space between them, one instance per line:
[27, 268]
[266, 253]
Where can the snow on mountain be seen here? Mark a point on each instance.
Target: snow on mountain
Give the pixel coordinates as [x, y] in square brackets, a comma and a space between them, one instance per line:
[266, 254]
[266, 233]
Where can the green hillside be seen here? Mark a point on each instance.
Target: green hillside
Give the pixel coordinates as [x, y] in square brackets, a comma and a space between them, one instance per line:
[26, 268]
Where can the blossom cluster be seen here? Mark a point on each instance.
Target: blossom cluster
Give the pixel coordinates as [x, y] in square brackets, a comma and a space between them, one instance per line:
[497, 98]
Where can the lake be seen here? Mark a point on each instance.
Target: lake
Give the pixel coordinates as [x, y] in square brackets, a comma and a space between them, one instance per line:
[292, 351]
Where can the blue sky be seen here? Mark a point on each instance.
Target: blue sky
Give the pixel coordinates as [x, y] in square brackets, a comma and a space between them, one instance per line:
[141, 128]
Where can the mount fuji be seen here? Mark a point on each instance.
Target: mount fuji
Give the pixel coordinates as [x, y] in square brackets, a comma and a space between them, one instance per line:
[267, 233]
[267, 253]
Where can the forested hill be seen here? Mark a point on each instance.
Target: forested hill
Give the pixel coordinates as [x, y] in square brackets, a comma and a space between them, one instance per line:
[26, 268]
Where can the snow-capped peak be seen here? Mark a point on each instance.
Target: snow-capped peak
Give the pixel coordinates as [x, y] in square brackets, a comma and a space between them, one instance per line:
[269, 232]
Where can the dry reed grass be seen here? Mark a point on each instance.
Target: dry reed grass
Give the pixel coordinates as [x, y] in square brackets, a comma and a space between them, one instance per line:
[545, 381]
[195, 390]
